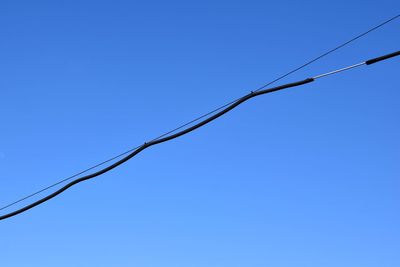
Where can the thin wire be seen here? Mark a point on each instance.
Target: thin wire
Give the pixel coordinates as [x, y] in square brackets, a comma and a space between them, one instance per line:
[184, 132]
[339, 70]
[68, 178]
[206, 114]
[333, 50]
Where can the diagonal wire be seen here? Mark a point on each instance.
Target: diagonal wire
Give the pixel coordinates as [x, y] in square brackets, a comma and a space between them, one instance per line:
[206, 114]
[190, 129]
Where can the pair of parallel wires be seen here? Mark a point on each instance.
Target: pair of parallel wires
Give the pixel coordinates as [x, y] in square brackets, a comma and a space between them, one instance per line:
[190, 126]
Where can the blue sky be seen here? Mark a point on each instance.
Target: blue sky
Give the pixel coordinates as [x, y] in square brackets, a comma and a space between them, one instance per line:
[304, 177]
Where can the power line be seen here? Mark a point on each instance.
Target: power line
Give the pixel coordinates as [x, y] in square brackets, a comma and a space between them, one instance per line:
[192, 128]
[200, 117]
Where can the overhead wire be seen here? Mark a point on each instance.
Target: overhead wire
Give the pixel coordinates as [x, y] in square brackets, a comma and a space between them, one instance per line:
[165, 137]
[192, 128]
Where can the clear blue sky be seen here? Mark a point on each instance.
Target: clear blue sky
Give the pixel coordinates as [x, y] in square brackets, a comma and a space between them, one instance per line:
[303, 177]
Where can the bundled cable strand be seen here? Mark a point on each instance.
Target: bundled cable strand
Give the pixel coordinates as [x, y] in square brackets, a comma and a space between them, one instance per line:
[204, 115]
[192, 128]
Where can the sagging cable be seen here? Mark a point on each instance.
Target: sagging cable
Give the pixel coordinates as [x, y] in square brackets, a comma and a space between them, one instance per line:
[190, 129]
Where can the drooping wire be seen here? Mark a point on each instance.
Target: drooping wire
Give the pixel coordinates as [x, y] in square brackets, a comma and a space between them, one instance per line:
[68, 178]
[202, 116]
[190, 129]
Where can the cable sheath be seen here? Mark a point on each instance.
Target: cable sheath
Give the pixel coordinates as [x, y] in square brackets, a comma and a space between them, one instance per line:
[155, 142]
[377, 59]
[208, 113]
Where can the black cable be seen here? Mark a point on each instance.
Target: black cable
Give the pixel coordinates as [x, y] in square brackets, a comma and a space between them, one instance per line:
[68, 178]
[377, 59]
[186, 131]
[154, 141]
[202, 116]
